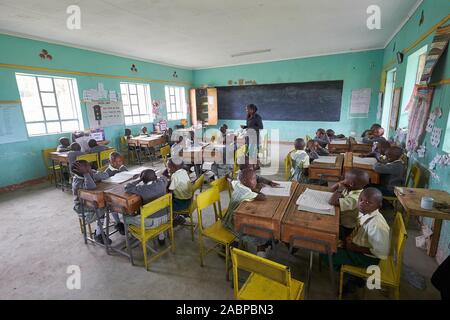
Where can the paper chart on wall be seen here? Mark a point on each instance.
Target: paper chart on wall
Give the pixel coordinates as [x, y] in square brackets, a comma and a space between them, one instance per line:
[360, 101]
[436, 136]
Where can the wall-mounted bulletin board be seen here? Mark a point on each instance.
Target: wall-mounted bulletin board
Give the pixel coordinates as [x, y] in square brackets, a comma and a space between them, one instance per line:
[12, 124]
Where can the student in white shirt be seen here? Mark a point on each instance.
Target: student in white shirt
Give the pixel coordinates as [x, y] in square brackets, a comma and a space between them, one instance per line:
[300, 160]
[369, 243]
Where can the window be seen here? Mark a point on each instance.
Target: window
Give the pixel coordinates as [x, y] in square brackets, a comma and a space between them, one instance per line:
[387, 103]
[176, 103]
[50, 104]
[414, 69]
[136, 100]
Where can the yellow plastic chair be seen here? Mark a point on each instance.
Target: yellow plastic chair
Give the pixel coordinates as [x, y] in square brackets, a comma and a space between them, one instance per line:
[92, 158]
[215, 232]
[288, 165]
[391, 268]
[143, 235]
[165, 153]
[103, 160]
[48, 164]
[223, 185]
[268, 280]
[193, 206]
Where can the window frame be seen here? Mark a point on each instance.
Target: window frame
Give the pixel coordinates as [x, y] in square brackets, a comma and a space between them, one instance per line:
[176, 110]
[148, 103]
[74, 100]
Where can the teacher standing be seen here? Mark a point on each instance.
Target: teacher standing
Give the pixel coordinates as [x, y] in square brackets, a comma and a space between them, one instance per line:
[254, 121]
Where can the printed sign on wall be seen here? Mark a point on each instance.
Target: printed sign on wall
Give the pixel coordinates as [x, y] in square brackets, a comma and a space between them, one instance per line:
[104, 114]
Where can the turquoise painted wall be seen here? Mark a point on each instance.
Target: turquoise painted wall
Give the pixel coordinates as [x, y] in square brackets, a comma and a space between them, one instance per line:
[434, 12]
[358, 70]
[22, 161]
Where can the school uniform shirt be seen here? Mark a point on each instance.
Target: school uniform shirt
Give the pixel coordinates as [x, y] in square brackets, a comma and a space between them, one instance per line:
[300, 161]
[181, 185]
[313, 155]
[373, 233]
[392, 173]
[240, 193]
[112, 171]
[148, 192]
[72, 156]
[348, 205]
[372, 140]
[322, 141]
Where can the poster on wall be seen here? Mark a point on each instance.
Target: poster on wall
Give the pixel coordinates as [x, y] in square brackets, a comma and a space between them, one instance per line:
[440, 42]
[12, 127]
[419, 110]
[360, 102]
[104, 114]
[395, 108]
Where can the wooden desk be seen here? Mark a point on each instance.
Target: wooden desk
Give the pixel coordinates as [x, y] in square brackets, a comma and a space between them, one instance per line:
[410, 199]
[59, 157]
[264, 216]
[320, 227]
[339, 146]
[359, 147]
[317, 169]
[151, 141]
[122, 202]
[349, 164]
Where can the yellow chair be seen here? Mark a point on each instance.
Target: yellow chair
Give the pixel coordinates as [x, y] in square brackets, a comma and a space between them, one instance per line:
[223, 185]
[391, 267]
[103, 158]
[49, 165]
[165, 153]
[143, 235]
[193, 206]
[92, 158]
[268, 280]
[288, 165]
[215, 232]
[308, 138]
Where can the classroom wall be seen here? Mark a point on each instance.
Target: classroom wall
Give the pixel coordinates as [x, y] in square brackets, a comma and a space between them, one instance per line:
[22, 161]
[434, 12]
[358, 70]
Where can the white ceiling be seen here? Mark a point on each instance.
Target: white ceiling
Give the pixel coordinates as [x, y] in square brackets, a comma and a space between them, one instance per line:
[206, 33]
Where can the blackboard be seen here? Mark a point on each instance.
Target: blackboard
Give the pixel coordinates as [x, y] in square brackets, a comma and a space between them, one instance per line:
[307, 101]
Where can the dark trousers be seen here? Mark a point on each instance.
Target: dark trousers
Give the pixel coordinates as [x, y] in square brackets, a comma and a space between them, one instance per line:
[343, 256]
[441, 279]
[384, 190]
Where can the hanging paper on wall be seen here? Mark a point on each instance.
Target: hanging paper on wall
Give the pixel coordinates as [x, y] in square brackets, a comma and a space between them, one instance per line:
[104, 114]
[436, 136]
[360, 101]
[440, 42]
[437, 113]
[421, 151]
[419, 109]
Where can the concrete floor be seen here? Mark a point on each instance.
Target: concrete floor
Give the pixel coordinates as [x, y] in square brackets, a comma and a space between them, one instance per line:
[41, 238]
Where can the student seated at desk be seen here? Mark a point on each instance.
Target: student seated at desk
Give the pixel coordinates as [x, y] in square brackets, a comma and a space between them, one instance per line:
[143, 131]
[332, 136]
[392, 172]
[94, 147]
[245, 189]
[223, 130]
[378, 151]
[149, 187]
[376, 135]
[261, 181]
[345, 195]
[115, 164]
[64, 145]
[168, 135]
[369, 243]
[128, 134]
[75, 151]
[85, 178]
[321, 138]
[300, 160]
[180, 186]
[314, 150]
[367, 132]
[177, 148]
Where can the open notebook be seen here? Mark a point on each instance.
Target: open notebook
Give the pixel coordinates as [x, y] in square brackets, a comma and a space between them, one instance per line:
[326, 159]
[367, 161]
[339, 142]
[283, 190]
[315, 201]
[125, 175]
